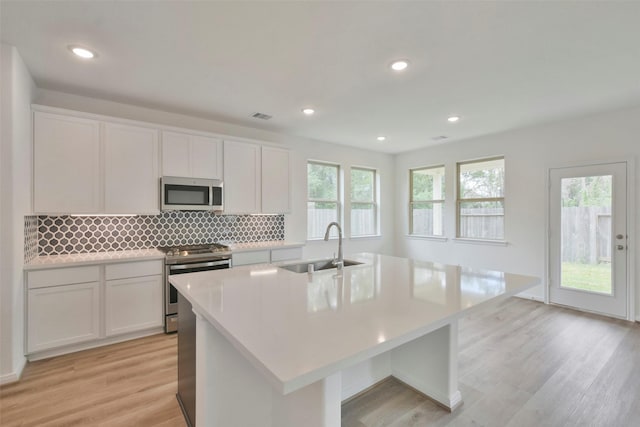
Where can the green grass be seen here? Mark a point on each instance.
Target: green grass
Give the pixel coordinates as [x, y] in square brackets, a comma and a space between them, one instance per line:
[587, 277]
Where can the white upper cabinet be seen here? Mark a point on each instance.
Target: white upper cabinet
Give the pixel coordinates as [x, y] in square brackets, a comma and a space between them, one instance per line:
[176, 154]
[275, 180]
[131, 169]
[242, 177]
[191, 156]
[256, 178]
[66, 164]
[87, 164]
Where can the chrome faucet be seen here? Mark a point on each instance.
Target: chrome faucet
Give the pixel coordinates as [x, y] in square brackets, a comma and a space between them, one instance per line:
[339, 262]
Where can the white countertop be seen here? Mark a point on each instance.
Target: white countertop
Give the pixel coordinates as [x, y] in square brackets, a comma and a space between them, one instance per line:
[297, 328]
[53, 261]
[253, 246]
[69, 260]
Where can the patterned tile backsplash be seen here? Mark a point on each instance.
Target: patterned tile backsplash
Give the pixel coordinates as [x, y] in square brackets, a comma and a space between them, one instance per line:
[57, 235]
[30, 237]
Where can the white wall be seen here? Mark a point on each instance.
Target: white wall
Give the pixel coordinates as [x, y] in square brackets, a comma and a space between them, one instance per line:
[528, 155]
[303, 149]
[17, 90]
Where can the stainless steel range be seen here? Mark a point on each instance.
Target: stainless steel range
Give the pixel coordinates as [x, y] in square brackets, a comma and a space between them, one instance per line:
[189, 259]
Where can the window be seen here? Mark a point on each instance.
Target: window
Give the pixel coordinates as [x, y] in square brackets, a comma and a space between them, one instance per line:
[323, 198]
[426, 201]
[481, 199]
[364, 210]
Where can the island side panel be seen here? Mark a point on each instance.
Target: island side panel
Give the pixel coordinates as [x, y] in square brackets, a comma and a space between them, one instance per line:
[430, 365]
[232, 393]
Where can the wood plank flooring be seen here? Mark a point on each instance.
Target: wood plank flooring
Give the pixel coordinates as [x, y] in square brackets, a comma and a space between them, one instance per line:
[525, 364]
[521, 364]
[127, 384]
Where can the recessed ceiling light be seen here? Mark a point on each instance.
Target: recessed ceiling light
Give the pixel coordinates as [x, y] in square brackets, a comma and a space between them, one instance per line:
[381, 138]
[453, 119]
[399, 65]
[308, 111]
[82, 52]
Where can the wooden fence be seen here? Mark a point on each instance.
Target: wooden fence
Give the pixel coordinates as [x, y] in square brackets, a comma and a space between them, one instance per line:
[586, 234]
[317, 220]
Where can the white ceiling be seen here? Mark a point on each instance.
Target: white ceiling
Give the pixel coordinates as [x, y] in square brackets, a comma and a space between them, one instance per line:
[499, 65]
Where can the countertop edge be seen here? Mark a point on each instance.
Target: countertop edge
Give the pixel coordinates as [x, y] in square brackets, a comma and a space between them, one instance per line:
[288, 385]
[263, 246]
[48, 262]
[98, 258]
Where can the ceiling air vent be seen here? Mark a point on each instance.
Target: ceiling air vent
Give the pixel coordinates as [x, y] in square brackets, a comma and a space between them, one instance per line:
[261, 116]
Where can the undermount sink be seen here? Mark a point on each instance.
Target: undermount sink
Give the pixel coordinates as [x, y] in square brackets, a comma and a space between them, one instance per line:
[323, 264]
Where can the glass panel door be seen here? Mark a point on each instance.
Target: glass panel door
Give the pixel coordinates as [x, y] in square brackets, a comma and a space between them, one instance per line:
[586, 233]
[588, 238]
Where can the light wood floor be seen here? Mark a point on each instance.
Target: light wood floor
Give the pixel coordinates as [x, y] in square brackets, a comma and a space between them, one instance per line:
[127, 384]
[521, 364]
[525, 364]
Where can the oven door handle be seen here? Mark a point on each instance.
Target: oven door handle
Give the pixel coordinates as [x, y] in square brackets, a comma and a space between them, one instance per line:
[198, 265]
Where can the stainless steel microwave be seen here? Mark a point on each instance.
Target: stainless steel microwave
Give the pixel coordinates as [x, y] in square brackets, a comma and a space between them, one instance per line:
[191, 194]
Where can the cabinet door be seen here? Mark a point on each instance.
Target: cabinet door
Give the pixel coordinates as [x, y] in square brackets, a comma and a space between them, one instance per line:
[275, 180]
[286, 254]
[132, 183]
[66, 166]
[241, 178]
[133, 304]
[62, 315]
[175, 154]
[253, 257]
[206, 157]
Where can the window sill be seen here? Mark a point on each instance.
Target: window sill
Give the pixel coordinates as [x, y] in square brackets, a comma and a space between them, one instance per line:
[320, 239]
[367, 237]
[480, 241]
[433, 238]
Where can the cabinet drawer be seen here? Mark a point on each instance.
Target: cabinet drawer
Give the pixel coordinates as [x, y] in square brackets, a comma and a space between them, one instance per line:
[254, 257]
[285, 254]
[62, 276]
[133, 269]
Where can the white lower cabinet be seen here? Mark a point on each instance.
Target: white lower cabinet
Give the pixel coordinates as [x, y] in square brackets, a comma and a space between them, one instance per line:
[75, 306]
[264, 256]
[133, 304]
[286, 254]
[63, 315]
[250, 257]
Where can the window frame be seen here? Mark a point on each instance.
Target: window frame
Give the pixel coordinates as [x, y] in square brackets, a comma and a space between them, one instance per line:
[433, 201]
[337, 201]
[460, 200]
[373, 202]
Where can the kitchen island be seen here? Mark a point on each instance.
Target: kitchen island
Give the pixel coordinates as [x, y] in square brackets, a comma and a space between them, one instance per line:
[284, 349]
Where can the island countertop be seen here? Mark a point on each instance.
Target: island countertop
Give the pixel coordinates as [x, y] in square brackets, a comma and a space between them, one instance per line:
[297, 327]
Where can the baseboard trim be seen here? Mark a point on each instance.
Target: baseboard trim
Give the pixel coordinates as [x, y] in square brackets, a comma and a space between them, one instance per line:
[45, 354]
[450, 403]
[13, 377]
[530, 297]
[9, 378]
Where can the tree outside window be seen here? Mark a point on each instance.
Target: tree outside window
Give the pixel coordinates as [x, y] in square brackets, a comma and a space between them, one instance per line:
[481, 199]
[323, 198]
[426, 201]
[364, 209]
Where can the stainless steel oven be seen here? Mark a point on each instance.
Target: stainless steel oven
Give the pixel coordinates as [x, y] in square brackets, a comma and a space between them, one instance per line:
[189, 259]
